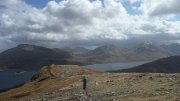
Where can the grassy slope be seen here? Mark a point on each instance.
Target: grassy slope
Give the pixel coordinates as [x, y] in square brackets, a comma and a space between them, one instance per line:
[101, 87]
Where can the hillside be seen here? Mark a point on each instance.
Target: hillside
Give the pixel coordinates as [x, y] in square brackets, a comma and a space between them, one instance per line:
[164, 65]
[140, 52]
[174, 48]
[26, 56]
[63, 83]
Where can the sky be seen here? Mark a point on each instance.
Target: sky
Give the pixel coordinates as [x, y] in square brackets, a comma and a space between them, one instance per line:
[56, 23]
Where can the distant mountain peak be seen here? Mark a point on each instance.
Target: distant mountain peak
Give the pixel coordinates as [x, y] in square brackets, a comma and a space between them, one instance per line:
[26, 47]
[29, 47]
[26, 56]
[173, 48]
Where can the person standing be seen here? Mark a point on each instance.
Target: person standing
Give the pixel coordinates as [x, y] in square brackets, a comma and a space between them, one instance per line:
[84, 80]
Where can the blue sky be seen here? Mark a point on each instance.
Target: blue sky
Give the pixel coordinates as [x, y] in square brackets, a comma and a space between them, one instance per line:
[37, 3]
[42, 3]
[129, 7]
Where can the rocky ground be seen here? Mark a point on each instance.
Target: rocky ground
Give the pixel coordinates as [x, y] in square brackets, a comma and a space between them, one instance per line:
[63, 83]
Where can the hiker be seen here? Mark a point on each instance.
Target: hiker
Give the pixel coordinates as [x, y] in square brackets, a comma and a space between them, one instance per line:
[84, 80]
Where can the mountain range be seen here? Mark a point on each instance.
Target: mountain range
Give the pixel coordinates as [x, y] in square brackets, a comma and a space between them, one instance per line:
[25, 56]
[140, 52]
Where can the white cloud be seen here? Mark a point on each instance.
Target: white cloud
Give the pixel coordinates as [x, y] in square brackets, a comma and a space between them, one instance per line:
[82, 21]
[7, 21]
[160, 7]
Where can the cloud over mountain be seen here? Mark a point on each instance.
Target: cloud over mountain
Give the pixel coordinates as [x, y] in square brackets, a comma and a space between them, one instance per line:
[87, 22]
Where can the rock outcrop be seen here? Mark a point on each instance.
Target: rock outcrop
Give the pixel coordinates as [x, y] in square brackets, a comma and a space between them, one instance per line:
[61, 71]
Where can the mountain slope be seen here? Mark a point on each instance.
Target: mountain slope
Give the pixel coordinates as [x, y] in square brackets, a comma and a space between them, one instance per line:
[149, 51]
[141, 52]
[165, 65]
[174, 48]
[26, 56]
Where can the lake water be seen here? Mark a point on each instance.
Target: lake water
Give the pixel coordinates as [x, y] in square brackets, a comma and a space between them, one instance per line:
[11, 78]
[114, 66]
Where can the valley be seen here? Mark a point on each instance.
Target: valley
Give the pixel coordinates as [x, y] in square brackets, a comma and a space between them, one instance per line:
[32, 57]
